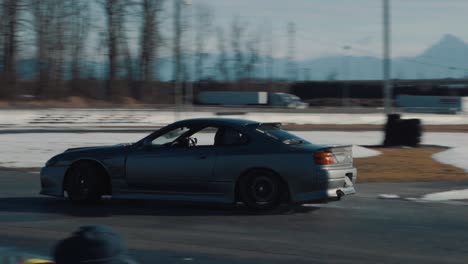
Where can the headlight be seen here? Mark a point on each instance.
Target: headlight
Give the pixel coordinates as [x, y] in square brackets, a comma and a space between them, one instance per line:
[51, 162]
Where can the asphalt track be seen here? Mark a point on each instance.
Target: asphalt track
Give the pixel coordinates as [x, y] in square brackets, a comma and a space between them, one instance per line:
[358, 229]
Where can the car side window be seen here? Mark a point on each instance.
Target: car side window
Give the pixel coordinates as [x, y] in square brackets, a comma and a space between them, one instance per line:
[169, 136]
[205, 137]
[231, 137]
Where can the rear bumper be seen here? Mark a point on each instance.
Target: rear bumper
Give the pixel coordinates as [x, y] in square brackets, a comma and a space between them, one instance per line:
[52, 181]
[331, 185]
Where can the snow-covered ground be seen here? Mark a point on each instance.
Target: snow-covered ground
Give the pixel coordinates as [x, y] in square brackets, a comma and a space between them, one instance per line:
[448, 195]
[33, 149]
[30, 150]
[73, 118]
[457, 155]
[444, 196]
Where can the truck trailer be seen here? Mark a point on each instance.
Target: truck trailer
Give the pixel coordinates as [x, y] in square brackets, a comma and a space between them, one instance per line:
[433, 104]
[224, 98]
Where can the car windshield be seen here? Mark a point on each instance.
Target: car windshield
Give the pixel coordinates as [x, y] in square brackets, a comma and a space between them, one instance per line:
[295, 98]
[275, 131]
[169, 136]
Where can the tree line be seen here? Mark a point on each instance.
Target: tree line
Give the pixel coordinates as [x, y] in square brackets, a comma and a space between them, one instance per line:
[62, 37]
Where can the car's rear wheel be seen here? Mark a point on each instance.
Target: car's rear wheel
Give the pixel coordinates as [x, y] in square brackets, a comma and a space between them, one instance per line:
[84, 182]
[261, 190]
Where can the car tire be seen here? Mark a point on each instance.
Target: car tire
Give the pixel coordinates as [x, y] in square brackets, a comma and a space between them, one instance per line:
[84, 182]
[261, 190]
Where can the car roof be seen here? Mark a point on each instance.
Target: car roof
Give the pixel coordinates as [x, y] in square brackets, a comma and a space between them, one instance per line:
[219, 121]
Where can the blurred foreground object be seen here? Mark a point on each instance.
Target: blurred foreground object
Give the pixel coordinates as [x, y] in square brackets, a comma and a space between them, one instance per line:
[92, 244]
[36, 261]
[402, 132]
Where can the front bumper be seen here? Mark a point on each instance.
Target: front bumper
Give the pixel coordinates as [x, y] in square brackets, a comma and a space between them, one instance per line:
[52, 180]
[331, 185]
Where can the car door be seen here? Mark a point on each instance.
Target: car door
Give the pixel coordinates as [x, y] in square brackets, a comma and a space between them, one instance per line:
[233, 156]
[165, 168]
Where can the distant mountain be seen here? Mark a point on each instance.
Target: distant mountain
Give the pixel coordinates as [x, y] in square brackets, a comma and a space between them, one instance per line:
[447, 58]
[449, 47]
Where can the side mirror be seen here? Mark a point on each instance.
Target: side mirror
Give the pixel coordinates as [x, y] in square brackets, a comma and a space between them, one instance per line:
[146, 145]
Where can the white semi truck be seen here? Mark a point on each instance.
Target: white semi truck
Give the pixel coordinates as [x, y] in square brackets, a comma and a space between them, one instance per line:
[283, 100]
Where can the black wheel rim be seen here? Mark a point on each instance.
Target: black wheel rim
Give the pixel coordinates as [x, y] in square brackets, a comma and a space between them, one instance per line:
[79, 188]
[263, 190]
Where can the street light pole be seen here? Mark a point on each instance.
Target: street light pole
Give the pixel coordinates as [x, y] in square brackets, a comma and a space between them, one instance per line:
[177, 57]
[386, 60]
[179, 26]
[346, 93]
[190, 55]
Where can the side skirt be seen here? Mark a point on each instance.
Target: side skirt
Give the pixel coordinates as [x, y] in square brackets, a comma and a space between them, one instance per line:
[189, 197]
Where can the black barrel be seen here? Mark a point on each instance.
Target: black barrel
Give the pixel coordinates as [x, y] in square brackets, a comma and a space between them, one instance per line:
[402, 132]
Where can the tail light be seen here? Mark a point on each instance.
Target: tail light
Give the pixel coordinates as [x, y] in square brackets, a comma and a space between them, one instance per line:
[324, 158]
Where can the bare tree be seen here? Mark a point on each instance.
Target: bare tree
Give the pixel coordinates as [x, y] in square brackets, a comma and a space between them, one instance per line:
[178, 31]
[181, 69]
[112, 10]
[270, 61]
[291, 68]
[42, 22]
[150, 41]
[10, 29]
[130, 69]
[79, 23]
[50, 26]
[253, 55]
[221, 64]
[2, 35]
[57, 43]
[115, 19]
[238, 29]
[204, 20]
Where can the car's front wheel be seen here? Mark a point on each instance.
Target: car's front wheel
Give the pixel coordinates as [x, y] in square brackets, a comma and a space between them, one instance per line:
[261, 190]
[83, 182]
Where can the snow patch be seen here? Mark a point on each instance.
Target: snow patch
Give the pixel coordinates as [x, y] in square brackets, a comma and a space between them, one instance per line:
[361, 152]
[455, 156]
[446, 196]
[388, 196]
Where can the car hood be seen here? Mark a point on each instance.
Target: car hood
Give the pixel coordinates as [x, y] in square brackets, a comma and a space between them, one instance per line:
[98, 148]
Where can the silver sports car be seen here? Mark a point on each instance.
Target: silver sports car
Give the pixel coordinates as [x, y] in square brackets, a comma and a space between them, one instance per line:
[209, 159]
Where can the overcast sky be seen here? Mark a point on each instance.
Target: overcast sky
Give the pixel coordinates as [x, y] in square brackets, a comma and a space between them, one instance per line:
[325, 26]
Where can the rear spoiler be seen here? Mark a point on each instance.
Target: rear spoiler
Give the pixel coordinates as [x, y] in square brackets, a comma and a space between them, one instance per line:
[273, 124]
[339, 146]
[330, 147]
